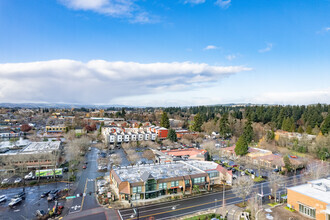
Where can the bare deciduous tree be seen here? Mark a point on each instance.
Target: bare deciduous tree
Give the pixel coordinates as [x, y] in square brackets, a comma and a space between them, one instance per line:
[148, 154]
[275, 181]
[242, 187]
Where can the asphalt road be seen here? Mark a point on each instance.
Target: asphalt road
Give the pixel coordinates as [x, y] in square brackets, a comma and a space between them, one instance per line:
[86, 186]
[175, 209]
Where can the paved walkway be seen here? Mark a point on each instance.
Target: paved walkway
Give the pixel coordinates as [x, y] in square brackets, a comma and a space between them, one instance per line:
[100, 212]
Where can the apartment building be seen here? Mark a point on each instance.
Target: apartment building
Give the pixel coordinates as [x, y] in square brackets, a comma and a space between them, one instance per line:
[155, 180]
[113, 134]
[312, 199]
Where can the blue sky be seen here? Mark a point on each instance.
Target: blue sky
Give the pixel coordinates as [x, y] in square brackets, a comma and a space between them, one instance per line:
[161, 53]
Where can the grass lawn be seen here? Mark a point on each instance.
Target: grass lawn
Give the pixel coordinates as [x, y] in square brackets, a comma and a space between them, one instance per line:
[272, 204]
[241, 205]
[204, 217]
[290, 209]
[258, 179]
[297, 153]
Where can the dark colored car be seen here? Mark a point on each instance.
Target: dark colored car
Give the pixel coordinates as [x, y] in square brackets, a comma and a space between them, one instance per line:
[20, 195]
[65, 169]
[44, 194]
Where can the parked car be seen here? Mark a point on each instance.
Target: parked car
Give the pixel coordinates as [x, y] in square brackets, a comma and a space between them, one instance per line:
[229, 168]
[18, 180]
[235, 165]
[20, 195]
[276, 170]
[14, 202]
[52, 195]
[3, 198]
[5, 181]
[101, 183]
[102, 190]
[242, 173]
[44, 194]
[65, 169]
[84, 167]
[40, 213]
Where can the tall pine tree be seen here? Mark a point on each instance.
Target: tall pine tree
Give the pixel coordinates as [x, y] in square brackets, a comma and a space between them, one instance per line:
[224, 129]
[248, 131]
[164, 121]
[241, 146]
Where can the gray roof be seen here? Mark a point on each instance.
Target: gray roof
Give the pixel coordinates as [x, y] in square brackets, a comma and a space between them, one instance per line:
[146, 175]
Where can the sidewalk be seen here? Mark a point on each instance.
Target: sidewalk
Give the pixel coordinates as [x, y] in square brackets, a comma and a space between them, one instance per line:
[108, 213]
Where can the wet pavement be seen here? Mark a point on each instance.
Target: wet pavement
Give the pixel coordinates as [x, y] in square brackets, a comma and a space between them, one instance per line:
[27, 208]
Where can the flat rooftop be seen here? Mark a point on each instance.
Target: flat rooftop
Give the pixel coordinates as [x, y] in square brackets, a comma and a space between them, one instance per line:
[36, 148]
[184, 152]
[317, 189]
[134, 173]
[203, 165]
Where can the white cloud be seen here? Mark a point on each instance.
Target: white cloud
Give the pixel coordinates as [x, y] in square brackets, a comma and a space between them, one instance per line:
[223, 3]
[231, 57]
[99, 81]
[115, 8]
[301, 97]
[210, 47]
[267, 48]
[327, 29]
[195, 2]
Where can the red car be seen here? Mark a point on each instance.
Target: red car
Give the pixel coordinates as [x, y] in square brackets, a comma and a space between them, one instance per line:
[84, 167]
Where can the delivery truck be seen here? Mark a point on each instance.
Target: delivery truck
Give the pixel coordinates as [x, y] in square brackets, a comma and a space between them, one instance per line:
[49, 173]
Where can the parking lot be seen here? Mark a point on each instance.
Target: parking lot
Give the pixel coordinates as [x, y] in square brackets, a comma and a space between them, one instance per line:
[28, 207]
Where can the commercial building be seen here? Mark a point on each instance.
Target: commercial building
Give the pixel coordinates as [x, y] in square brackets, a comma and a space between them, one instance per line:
[155, 180]
[187, 153]
[312, 199]
[32, 155]
[56, 129]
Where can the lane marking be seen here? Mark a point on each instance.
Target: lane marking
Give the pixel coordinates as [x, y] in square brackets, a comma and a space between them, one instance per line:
[83, 199]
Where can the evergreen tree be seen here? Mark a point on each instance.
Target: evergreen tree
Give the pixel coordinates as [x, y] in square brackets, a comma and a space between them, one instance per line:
[300, 130]
[287, 162]
[241, 146]
[248, 132]
[198, 122]
[325, 127]
[172, 135]
[224, 129]
[164, 121]
[309, 129]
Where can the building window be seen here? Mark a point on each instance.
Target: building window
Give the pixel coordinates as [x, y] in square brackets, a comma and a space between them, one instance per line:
[213, 174]
[162, 186]
[137, 189]
[186, 182]
[307, 210]
[174, 183]
[199, 180]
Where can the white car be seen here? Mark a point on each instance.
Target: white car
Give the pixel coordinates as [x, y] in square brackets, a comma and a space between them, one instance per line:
[5, 181]
[102, 190]
[14, 202]
[3, 198]
[101, 183]
[242, 173]
[18, 180]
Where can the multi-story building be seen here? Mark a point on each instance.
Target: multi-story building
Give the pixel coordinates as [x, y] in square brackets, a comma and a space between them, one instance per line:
[155, 180]
[114, 134]
[10, 134]
[312, 199]
[56, 129]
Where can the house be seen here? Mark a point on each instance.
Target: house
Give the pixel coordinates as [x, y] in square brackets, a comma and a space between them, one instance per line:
[312, 199]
